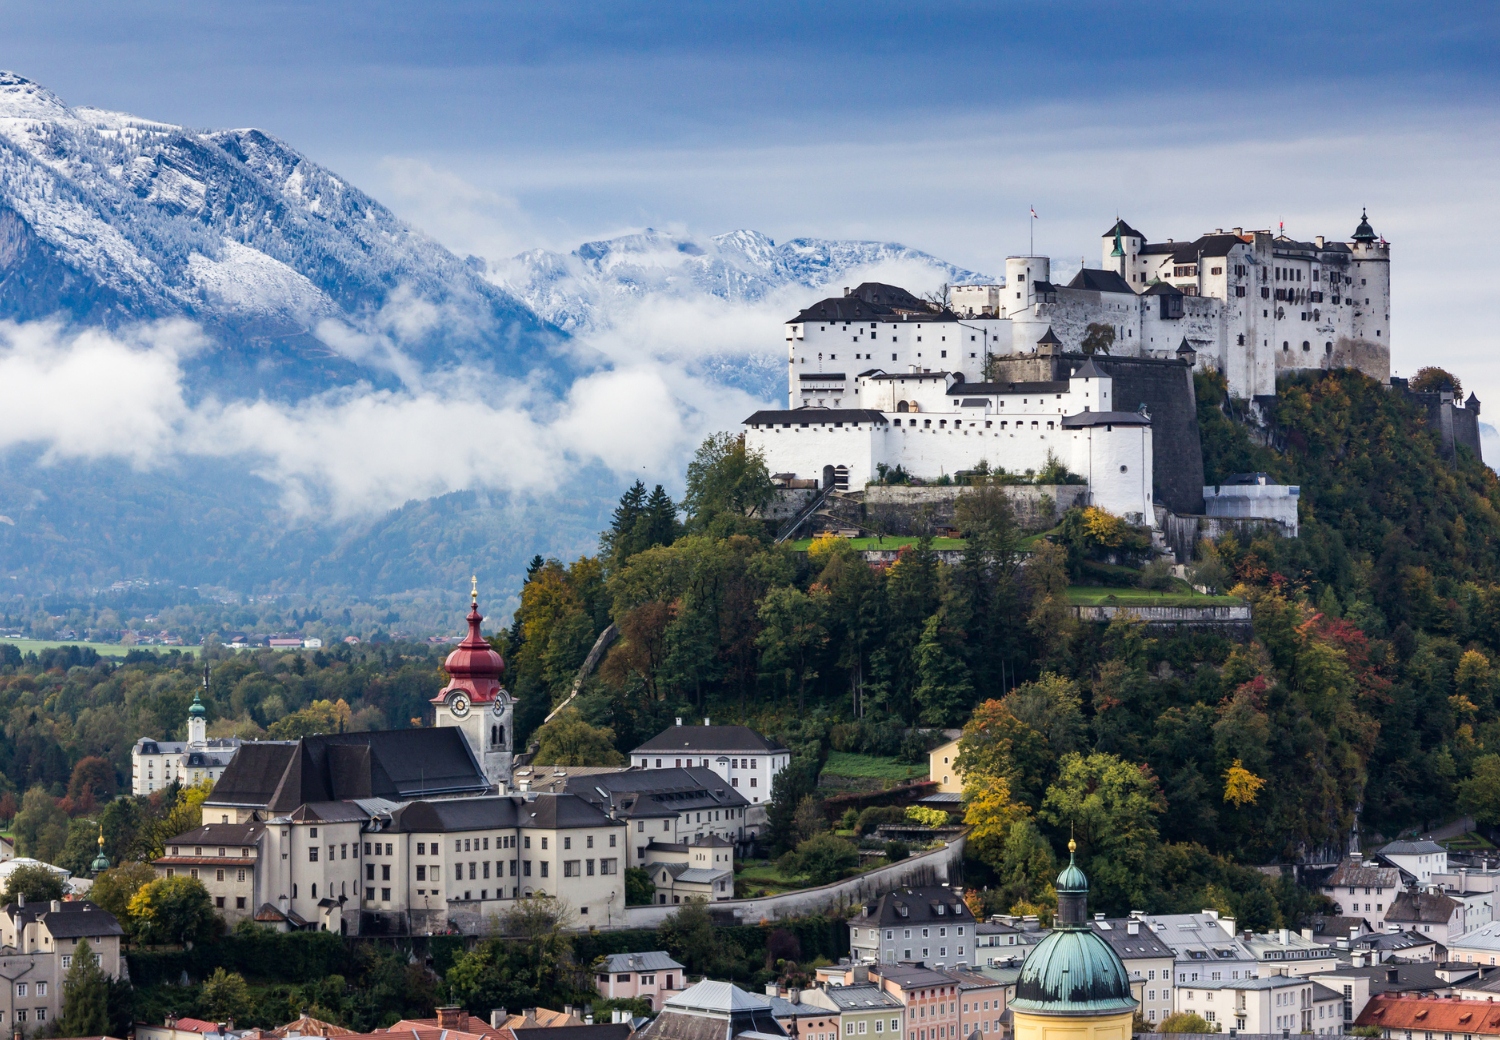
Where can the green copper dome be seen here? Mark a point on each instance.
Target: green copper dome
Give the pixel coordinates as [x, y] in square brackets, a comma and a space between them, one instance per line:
[197, 710]
[1073, 971]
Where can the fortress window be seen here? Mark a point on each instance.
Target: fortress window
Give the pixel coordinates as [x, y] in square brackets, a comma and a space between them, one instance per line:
[926, 422]
[1265, 292]
[942, 422]
[1328, 348]
[1124, 468]
[1285, 346]
[944, 353]
[988, 424]
[1306, 345]
[1240, 340]
[1216, 270]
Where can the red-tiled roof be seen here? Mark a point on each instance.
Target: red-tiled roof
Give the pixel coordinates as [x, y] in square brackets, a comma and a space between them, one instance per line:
[1435, 1014]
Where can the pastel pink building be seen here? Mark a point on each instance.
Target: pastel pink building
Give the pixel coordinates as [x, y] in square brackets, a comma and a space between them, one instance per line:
[651, 976]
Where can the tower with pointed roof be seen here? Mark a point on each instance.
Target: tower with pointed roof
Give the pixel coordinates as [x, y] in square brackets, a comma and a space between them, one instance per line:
[198, 720]
[1073, 985]
[476, 702]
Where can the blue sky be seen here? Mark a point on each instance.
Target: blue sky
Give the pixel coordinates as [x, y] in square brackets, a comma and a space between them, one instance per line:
[497, 127]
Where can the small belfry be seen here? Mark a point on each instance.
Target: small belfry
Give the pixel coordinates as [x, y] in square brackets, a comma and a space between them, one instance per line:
[476, 702]
[1074, 983]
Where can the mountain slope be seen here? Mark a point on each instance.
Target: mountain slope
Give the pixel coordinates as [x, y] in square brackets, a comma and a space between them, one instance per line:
[106, 218]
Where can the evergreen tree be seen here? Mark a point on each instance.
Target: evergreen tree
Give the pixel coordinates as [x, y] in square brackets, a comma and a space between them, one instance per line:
[659, 519]
[85, 994]
[944, 690]
[618, 544]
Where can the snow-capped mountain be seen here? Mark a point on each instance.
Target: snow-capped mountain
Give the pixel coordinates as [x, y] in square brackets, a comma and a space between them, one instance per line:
[579, 291]
[107, 218]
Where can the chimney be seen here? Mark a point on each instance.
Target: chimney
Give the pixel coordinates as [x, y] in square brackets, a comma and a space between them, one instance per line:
[1307, 934]
[679, 720]
[1133, 928]
[1239, 231]
[860, 974]
[588, 1016]
[1286, 937]
[448, 1018]
[846, 290]
[56, 906]
[705, 721]
[771, 990]
[794, 994]
[497, 1018]
[21, 899]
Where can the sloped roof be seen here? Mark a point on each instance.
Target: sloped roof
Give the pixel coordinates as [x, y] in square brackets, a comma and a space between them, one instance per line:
[767, 416]
[1123, 230]
[1418, 847]
[718, 996]
[653, 960]
[1100, 281]
[1353, 873]
[859, 997]
[220, 834]
[1085, 419]
[920, 905]
[547, 810]
[397, 764]
[709, 739]
[1432, 1014]
[1422, 908]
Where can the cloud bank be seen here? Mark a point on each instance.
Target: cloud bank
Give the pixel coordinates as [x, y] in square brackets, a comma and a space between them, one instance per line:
[663, 372]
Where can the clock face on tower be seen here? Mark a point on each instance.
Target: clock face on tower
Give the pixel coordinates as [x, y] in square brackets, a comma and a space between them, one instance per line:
[459, 705]
[499, 706]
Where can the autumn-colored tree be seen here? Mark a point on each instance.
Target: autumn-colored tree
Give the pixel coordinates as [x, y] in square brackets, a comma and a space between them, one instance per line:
[1241, 787]
[570, 741]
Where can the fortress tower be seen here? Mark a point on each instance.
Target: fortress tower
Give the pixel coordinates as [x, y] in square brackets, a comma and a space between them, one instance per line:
[1073, 986]
[475, 702]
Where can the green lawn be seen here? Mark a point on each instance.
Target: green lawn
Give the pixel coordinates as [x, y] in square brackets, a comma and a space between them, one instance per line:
[1104, 596]
[1470, 842]
[27, 646]
[842, 763]
[888, 542]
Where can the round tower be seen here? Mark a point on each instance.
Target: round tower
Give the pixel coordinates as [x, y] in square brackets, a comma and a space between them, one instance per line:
[1073, 986]
[1370, 291]
[475, 702]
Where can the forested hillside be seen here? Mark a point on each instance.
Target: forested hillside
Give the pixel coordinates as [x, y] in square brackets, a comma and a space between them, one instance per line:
[1179, 760]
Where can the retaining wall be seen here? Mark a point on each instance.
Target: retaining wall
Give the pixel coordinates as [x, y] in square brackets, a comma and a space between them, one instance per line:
[924, 868]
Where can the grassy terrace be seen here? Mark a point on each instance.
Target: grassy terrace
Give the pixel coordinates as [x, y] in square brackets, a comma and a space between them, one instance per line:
[888, 542]
[843, 763]
[1104, 596]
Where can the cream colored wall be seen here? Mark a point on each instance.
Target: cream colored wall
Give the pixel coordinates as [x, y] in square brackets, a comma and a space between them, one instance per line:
[942, 768]
[1030, 1026]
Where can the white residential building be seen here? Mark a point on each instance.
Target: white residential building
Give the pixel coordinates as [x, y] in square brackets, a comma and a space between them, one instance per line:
[37, 945]
[747, 761]
[1290, 953]
[1269, 1005]
[157, 764]
[1148, 959]
[1421, 858]
[1363, 889]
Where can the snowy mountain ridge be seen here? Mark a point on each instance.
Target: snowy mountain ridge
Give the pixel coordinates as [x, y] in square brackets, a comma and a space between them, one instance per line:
[577, 291]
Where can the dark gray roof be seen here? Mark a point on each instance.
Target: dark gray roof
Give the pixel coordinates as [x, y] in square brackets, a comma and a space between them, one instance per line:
[699, 740]
[547, 811]
[653, 960]
[1420, 976]
[1058, 386]
[77, 919]
[400, 764]
[1163, 289]
[1122, 229]
[822, 375]
[794, 417]
[920, 906]
[220, 834]
[1100, 281]
[658, 792]
[1394, 942]
[874, 301]
[1217, 245]
[1049, 337]
[909, 976]
[860, 997]
[598, 1031]
[1417, 847]
[1088, 370]
[1144, 943]
[1083, 419]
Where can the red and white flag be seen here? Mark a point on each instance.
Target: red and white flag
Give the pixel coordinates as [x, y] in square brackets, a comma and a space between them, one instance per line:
[1033, 213]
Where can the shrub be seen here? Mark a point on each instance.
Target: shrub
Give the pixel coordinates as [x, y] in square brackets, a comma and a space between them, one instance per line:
[1157, 576]
[895, 851]
[927, 817]
[1184, 1022]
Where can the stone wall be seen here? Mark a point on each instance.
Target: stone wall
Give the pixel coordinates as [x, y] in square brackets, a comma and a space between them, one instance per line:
[1183, 533]
[902, 509]
[1164, 387]
[924, 868]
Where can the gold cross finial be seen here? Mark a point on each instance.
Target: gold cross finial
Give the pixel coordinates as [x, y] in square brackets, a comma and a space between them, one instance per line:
[101, 837]
[1072, 846]
[474, 588]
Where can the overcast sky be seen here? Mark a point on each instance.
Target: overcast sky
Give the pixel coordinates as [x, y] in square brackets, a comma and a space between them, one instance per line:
[498, 127]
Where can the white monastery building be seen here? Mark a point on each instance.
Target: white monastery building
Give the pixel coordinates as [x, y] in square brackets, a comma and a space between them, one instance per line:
[157, 764]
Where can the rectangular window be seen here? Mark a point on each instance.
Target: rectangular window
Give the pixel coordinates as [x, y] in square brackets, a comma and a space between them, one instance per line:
[312, 854]
[385, 895]
[421, 849]
[219, 874]
[570, 868]
[526, 868]
[421, 873]
[545, 867]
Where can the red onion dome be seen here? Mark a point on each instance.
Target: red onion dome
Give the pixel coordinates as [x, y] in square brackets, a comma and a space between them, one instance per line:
[474, 665]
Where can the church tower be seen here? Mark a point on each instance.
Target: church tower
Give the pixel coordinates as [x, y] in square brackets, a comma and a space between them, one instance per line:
[197, 726]
[475, 702]
[1073, 985]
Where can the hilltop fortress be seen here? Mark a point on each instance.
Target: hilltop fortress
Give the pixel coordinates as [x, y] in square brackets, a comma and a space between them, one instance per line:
[1095, 375]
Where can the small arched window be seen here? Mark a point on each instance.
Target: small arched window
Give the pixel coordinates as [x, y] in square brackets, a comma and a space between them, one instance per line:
[901, 406]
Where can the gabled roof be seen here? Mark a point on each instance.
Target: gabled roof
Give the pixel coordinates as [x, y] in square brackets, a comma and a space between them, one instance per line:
[860, 997]
[723, 997]
[907, 906]
[1123, 230]
[547, 811]
[1144, 943]
[238, 834]
[1416, 847]
[1422, 908]
[1086, 419]
[74, 919]
[658, 792]
[1088, 370]
[1218, 245]
[654, 960]
[1431, 1015]
[1100, 281]
[769, 417]
[1162, 289]
[1353, 873]
[700, 740]
[399, 764]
